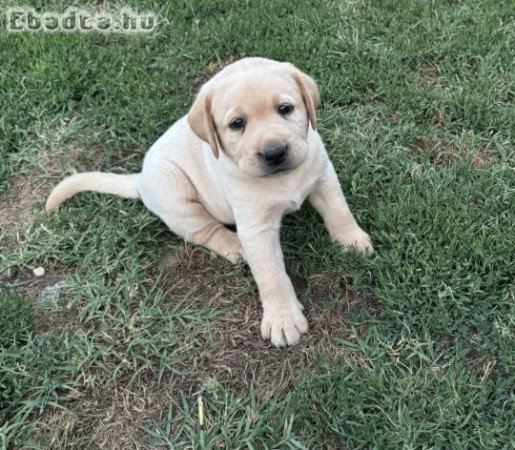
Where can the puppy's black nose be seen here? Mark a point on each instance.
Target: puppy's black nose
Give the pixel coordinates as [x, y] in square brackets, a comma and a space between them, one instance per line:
[275, 155]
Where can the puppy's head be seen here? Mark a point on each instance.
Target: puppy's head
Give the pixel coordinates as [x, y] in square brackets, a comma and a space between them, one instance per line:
[258, 112]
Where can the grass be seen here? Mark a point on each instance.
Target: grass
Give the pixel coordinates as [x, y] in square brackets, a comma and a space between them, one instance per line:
[411, 348]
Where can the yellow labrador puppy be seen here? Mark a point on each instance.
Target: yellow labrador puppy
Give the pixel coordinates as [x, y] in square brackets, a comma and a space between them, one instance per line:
[247, 153]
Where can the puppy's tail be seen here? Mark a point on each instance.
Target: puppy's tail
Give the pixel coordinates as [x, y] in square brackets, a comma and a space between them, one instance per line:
[109, 183]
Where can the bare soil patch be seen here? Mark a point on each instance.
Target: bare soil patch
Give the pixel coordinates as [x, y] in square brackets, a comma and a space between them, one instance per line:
[16, 210]
[234, 353]
[432, 78]
[111, 419]
[211, 69]
[444, 153]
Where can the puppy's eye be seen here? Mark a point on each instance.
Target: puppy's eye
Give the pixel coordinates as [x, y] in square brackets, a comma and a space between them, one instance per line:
[285, 109]
[237, 124]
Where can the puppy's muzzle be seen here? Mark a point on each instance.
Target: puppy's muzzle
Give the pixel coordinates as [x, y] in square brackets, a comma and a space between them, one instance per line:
[275, 155]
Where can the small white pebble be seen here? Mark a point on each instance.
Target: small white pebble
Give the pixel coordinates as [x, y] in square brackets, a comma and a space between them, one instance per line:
[39, 271]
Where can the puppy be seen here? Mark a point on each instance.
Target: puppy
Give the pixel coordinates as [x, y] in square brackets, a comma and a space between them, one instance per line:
[247, 153]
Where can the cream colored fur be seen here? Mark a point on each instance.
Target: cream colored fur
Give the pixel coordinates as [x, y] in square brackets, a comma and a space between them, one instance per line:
[202, 174]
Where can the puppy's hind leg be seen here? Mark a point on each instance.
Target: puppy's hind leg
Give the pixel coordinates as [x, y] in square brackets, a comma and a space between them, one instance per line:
[172, 196]
[199, 227]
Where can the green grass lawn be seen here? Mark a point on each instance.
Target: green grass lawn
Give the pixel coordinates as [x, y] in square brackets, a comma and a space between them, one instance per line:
[147, 342]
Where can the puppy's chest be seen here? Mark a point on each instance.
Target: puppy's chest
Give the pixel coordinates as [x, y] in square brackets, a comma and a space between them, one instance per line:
[293, 204]
[291, 200]
[298, 193]
[272, 198]
[291, 196]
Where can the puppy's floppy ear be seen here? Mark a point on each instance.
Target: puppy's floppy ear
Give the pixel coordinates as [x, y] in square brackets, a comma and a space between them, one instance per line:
[201, 121]
[309, 90]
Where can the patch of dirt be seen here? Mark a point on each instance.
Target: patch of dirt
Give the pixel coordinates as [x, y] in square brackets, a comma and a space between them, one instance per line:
[431, 77]
[57, 432]
[234, 352]
[439, 118]
[16, 209]
[197, 81]
[444, 153]
[215, 66]
[239, 357]
[113, 419]
[128, 155]
[481, 161]
[26, 191]
[211, 69]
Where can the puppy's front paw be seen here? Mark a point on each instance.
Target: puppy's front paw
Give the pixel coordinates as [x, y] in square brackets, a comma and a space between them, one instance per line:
[283, 326]
[359, 239]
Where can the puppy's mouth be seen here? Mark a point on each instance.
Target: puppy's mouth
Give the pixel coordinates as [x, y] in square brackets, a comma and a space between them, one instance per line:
[279, 170]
